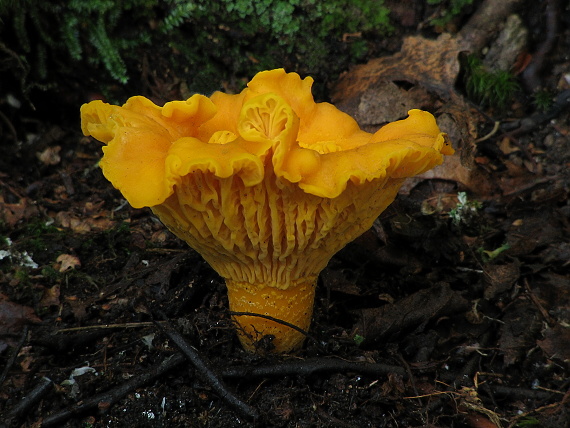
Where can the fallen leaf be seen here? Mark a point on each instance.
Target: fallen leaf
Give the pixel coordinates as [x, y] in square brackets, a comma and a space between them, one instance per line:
[521, 323]
[507, 146]
[82, 225]
[69, 221]
[100, 223]
[556, 343]
[14, 316]
[26, 363]
[534, 230]
[93, 209]
[422, 75]
[11, 214]
[50, 156]
[50, 297]
[78, 307]
[159, 237]
[499, 278]
[424, 66]
[65, 262]
[480, 421]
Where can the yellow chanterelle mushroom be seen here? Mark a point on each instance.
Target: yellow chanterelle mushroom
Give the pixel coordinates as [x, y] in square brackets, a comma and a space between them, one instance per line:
[266, 185]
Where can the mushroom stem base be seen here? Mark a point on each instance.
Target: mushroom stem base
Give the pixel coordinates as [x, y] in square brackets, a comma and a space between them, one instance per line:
[293, 305]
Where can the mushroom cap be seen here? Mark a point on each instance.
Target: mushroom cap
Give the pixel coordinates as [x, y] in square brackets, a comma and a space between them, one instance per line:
[315, 145]
[266, 184]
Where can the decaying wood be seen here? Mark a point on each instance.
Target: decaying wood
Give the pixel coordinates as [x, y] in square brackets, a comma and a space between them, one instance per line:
[485, 22]
[373, 93]
[380, 323]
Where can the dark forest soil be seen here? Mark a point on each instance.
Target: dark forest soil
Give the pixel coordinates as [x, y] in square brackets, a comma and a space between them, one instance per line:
[450, 312]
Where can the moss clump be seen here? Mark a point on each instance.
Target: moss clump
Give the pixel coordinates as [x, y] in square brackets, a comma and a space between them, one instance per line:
[447, 10]
[542, 99]
[494, 88]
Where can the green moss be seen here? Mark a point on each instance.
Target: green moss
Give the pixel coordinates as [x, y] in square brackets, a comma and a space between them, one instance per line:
[487, 87]
[39, 228]
[542, 99]
[448, 10]
[22, 275]
[51, 274]
[37, 234]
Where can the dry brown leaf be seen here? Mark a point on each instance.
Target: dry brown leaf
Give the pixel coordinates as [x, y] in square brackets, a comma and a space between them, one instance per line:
[556, 343]
[26, 363]
[78, 307]
[159, 237]
[82, 225]
[11, 214]
[480, 421]
[14, 316]
[422, 75]
[100, 223]
[65, 262]
[69, 221]
[50, 156]
[432, 65]
[50, 297]
[507, 146]
[500, 278]
[94, 209]
[521, 323]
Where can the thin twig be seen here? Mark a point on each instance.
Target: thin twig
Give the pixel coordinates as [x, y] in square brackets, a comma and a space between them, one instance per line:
[10, 126]
[26, 403]
[113, 395]
[277, 320]
[107, 326]
[312, 366]
[490, 134]
[203, 371]
[14, 355]
[515, 392]
[547, 317]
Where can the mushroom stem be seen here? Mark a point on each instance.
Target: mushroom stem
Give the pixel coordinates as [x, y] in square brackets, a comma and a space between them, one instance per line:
[293, 305]
[270, 257]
